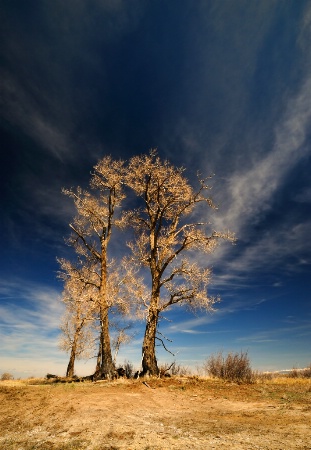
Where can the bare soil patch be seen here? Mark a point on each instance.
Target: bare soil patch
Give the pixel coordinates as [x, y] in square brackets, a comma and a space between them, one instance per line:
[176, 413]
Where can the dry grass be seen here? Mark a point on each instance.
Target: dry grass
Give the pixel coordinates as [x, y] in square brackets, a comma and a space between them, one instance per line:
[127, 414]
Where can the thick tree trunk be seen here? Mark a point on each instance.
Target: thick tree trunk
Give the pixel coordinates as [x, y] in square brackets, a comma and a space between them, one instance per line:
[98, 360]
[107, 365]
[149, 362]
[107, 369]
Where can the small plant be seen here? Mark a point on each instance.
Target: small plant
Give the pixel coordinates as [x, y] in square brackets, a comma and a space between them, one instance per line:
[179, 370]
[294, 373]
[164, 370]
[233, 367]
[173, 369]
[129, 369]
[6, 376]
[50, 375]
[307, 372]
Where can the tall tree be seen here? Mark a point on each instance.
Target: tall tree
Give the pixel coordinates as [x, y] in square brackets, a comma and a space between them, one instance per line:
[91, 233]
[166, 237]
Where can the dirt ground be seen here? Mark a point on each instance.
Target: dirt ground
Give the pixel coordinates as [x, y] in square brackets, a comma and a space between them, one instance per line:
[182, 413]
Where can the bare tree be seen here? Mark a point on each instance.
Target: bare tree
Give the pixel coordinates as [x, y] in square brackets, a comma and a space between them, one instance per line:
[82, 314]
[166, 234]
[91, 233]
[79, 297]
[76, 337]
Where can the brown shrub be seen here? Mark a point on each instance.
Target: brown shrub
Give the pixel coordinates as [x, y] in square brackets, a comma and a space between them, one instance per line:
[6, 376]
[300, 373]
[174, 369]
[232, 367]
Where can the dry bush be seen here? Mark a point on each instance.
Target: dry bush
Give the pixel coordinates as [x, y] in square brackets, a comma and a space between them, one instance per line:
[307, 372]
[174, 369]
[263, 376]
[300, 373]
[164, 370]
[6, 376]
[49, 376]
[129, 369]
[179, 370]
[233, 367]
[294, 373]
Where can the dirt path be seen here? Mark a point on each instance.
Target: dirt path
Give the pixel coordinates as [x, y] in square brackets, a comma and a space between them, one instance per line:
[170, 414]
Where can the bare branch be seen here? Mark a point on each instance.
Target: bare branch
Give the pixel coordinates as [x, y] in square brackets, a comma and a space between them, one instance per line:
[161, 340]
[82, 237]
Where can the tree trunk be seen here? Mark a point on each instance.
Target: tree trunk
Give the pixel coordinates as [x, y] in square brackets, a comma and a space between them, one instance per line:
[107, 369]
[107, 365]
[71, 364]
[73, 353]
[98, 360]
[149, 362]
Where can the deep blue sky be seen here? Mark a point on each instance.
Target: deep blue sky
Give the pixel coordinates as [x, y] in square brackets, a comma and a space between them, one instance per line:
[219, 86]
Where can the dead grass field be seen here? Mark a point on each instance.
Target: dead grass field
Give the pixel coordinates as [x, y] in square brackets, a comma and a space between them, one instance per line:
[176, 413]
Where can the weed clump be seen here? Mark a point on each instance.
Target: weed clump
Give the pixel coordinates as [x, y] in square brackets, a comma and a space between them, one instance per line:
[174, 369]
[6, 376]
[300, 373]
[233, 367]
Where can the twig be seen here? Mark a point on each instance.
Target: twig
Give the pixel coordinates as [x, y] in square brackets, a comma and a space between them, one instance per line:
[146, 384]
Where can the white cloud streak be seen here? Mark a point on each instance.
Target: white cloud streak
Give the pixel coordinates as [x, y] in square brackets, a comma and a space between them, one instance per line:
[197, 324]
[20, 109]
[279, 334]
[249, 193]
[29, 316]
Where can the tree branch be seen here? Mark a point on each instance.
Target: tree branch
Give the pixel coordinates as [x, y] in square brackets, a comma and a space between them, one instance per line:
[87, 245]
[161, 340]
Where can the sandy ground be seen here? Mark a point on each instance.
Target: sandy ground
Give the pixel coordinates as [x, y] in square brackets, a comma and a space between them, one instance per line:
[187, 413]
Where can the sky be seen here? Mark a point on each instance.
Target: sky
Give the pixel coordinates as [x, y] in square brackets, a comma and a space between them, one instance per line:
[220, 87]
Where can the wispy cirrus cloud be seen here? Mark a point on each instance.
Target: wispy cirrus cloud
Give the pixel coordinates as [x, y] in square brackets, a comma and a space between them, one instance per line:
[29, 324]
[20, 108]
[253, 155]
[250, 192]
[199, 323]
[29, 313]
[280, 334]
[267, 251]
